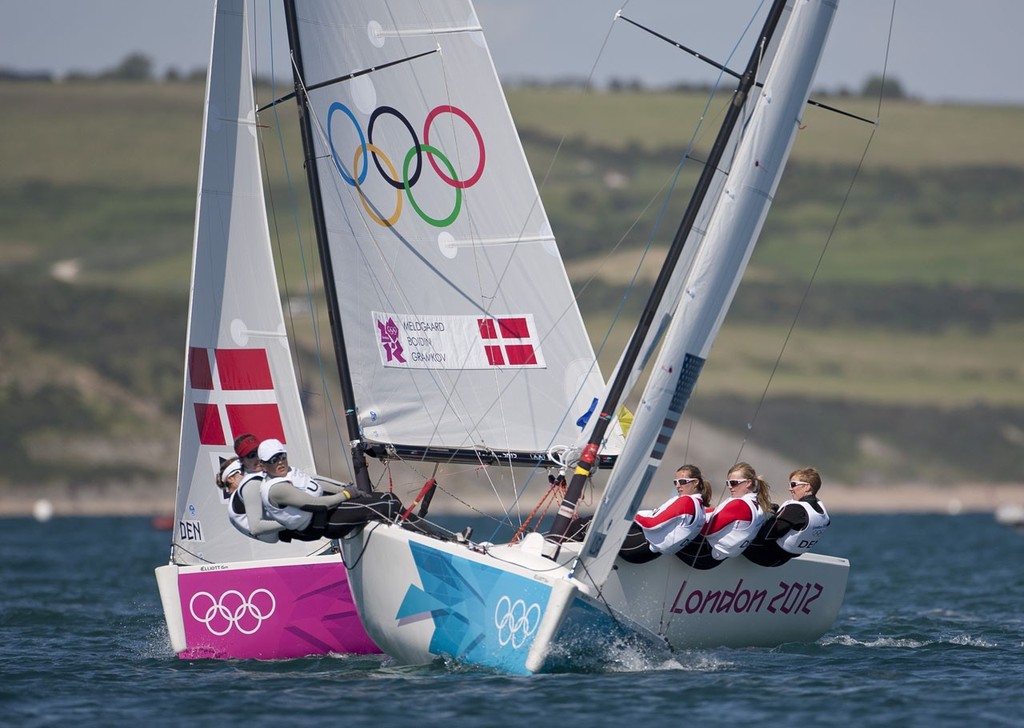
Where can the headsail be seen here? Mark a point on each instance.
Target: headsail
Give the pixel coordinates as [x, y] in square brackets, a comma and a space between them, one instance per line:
[713, 277]
[460, 324]
[238, 369]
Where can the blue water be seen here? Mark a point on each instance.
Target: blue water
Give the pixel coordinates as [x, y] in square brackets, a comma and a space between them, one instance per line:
[931, 633]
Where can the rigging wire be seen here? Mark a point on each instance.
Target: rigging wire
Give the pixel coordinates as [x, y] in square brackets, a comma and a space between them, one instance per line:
[827, 243]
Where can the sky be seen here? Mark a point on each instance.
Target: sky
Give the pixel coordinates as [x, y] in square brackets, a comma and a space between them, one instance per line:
[941, 50]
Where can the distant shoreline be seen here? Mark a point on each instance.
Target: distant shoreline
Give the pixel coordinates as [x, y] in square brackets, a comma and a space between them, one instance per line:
[905, 498]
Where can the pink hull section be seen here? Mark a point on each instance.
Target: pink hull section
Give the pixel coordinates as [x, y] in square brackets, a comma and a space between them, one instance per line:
[270, 613]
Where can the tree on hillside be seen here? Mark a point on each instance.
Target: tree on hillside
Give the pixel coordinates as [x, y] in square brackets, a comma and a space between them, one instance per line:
[134, 67]
[888, 88]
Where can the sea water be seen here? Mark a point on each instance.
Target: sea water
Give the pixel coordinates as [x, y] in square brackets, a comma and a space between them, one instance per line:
[931, 633]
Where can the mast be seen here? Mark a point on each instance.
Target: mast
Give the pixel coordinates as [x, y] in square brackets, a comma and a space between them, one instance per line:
[587, 460]
[360, 473]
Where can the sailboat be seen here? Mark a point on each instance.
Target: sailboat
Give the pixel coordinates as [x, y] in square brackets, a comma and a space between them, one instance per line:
[226, 595]
[458, 340]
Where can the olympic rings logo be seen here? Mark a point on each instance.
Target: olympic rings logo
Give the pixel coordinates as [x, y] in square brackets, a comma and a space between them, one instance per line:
[515, 621]
[233, 609]
[407, 181]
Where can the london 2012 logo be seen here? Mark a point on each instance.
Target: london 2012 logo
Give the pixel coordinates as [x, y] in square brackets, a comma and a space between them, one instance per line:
[405, 179]
[232, 609]
[515, 621]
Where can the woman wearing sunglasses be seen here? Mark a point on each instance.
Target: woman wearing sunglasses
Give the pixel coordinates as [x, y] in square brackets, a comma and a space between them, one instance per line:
[674, 523]
[242, 477]
[797, 526]
[311, 507]
[731, 527]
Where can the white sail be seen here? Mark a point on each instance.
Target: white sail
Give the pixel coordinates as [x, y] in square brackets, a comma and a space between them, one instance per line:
[712, 279]
[459, 320]
[238, 370]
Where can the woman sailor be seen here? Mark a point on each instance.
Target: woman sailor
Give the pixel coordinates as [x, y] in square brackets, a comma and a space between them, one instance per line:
[674, 523]
[797, 526]
[732, 526]
[245, 509]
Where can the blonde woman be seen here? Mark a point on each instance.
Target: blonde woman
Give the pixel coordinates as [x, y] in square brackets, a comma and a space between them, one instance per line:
[732, 526]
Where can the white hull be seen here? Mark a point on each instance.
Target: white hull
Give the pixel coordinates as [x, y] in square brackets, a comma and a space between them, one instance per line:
[446, 600]
[737, 604]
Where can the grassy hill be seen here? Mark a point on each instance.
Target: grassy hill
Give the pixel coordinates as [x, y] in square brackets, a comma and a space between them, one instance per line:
[905, 362]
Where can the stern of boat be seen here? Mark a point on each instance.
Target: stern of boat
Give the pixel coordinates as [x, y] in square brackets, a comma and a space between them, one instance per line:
[737, 604]
[271, 609]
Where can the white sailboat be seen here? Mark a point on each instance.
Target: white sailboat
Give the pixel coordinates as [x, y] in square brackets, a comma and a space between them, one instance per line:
[226, 595]
[458, 340]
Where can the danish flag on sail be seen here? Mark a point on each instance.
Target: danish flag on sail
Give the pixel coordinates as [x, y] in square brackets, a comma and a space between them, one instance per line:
[237, 388]
[508, 341]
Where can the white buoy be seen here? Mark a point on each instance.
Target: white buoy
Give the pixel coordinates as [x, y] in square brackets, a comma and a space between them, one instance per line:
[42, 510]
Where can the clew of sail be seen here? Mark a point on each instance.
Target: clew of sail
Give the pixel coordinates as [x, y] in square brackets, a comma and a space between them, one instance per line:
[711, 280]
[460, 325]
[238, 370]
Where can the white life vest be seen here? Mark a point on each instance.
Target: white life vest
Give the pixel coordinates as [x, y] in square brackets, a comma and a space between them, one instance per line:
[241, 520]
[291, 517]
[732, 538]
[671, 526]
[799, 542]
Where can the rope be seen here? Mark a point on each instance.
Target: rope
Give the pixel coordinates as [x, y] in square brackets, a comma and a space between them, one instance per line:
[827, 244]
[555, 492]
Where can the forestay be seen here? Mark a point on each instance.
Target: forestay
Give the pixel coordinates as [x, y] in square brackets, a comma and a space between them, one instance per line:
[238, 376]
[458, 317]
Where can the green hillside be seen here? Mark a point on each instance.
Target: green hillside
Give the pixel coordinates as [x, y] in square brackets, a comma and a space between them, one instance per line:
[905, 361]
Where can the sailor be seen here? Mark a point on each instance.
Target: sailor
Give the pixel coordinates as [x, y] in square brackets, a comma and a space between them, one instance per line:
[674, 523]
[798, 525]
[243, 475]
[246, 448]
[732, 526]
[311, 507]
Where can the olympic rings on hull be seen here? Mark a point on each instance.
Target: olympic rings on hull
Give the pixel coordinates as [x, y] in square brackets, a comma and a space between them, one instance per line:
[515, 621]
[232, 609]
[390, 175]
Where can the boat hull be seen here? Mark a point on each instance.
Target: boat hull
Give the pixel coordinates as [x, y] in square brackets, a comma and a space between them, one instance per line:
[421, 599]
[737, 604]
[269, 610]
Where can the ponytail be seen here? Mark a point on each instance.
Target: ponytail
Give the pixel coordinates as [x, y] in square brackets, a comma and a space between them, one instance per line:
[764, 495]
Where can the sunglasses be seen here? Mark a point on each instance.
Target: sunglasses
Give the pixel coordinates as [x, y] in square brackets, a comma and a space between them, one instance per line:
[734, 483]
[795, 483]
[277, 458]
[684, 481]
[250, 456]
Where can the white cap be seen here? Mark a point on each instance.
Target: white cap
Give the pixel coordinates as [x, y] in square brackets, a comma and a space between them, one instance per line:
[270, 448]
[235, 466]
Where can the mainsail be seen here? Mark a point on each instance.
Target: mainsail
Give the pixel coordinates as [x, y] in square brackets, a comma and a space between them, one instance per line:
[238, 370]
[461, 330]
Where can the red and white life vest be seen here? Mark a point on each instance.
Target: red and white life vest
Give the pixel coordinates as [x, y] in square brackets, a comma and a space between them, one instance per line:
[673, 524]
[732, 526]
